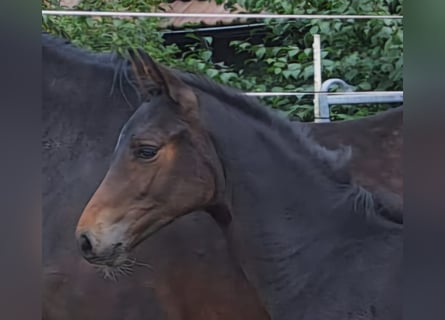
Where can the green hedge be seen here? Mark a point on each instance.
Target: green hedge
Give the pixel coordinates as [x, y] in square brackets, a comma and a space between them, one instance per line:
[365, 53]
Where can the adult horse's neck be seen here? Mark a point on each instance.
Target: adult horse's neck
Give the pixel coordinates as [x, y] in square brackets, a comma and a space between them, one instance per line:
[289, 214]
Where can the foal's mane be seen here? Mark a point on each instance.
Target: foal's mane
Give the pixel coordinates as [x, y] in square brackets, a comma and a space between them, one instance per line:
[294, 133]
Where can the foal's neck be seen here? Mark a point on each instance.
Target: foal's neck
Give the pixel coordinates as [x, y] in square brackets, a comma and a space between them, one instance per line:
[285, 221]
[268, 170]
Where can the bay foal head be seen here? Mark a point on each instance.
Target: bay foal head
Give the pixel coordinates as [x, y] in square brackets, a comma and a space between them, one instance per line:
[164, 166]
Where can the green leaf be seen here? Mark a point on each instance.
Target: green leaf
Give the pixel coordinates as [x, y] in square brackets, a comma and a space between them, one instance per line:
[345, 116]
[244, 45]
[294, 74]
[279, 64]
[193, 36]
[90, 22]
[327, 62]
[276, 50]
[118, 22]
[260, 52]
[365, 86]
[325, 27]
[212, 73]
[201, 66]
[206, 55]
[294, 66]
[225, 77]
[308, 72]
[209, 40]
[293, 53]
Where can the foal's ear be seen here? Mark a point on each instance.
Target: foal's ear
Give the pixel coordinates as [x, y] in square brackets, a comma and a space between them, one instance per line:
[147, 70]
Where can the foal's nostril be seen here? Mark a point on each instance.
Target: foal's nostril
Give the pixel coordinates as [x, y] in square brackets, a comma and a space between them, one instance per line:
[85, 245]
[117, 245]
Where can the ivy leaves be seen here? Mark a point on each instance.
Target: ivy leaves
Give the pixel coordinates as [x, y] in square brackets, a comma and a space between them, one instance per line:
[365, 53]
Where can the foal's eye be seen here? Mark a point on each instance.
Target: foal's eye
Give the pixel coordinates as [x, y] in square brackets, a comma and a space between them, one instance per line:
[146, 152]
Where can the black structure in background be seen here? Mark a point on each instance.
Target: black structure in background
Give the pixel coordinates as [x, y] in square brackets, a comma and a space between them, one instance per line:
[222, 36]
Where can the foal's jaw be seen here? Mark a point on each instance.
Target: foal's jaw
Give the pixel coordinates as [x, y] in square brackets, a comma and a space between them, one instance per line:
[148, 231]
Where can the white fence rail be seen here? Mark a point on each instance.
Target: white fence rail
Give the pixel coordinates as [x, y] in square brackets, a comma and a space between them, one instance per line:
[212, 15]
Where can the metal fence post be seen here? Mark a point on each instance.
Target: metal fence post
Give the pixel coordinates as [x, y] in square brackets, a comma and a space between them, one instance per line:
[320, 114]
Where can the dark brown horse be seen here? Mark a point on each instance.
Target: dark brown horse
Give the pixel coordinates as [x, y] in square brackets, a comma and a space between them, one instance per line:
[81, 121]
[311, 242]
[377, 145]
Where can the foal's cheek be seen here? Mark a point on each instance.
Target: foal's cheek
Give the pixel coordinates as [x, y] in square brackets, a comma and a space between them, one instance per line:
[200, 188]
[160, 186]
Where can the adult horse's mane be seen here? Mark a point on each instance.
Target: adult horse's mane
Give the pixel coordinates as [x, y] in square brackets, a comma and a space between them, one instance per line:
[76, 53]
[107, 60]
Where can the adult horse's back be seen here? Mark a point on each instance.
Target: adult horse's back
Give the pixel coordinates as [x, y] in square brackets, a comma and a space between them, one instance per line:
[377, 148]
[314, 244]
